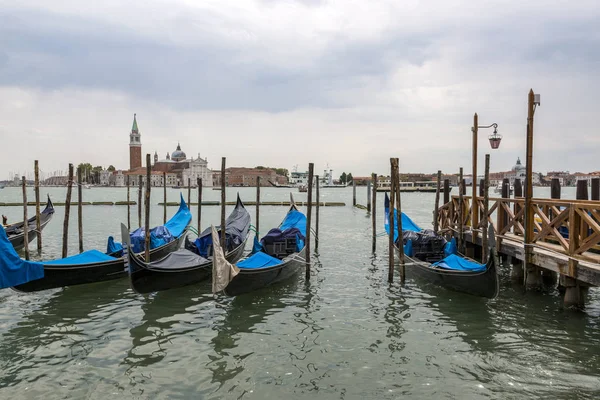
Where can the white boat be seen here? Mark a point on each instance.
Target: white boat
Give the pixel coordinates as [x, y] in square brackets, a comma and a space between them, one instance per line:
[498, 188]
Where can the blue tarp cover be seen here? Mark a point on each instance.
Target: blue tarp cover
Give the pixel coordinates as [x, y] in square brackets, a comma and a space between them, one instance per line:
[258, 260]
[159, 235]
[87, 257]
[14, 270]
[294, 219]
[407, 223]
[450, 247]
[182, 218]
[236, 231]
[113, 247]
[458, 263]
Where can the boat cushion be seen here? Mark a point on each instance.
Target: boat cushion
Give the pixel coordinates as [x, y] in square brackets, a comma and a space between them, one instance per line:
[87, 257]
[14, 270]
[180, 259]
[458, 263]
[258, 260]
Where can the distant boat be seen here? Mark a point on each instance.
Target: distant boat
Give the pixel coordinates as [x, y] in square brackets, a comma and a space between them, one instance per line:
[498, 189]
[1, 186]
[302, 189]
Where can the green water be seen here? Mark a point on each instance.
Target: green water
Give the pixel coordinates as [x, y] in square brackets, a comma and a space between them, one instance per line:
[346, 334]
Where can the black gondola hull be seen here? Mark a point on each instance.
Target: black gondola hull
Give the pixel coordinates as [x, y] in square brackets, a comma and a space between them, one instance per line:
[56, 276]
[18, 239]
[145, 280]
[482, 284]
[249, 280]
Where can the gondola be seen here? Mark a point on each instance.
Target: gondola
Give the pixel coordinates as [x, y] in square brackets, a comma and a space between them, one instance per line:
[443, 266]
[278, 256]
[95, 266]
[191, 264]
[16, 233]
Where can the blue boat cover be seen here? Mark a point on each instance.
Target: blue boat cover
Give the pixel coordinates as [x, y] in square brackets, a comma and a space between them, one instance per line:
[87, 257]
[182, 218]
[294, 219]
[236, 231]
[407, 223]
[113, 247]
[159, 235]
[450, 247]
[14, 270]
[258, 260]
[457, 263]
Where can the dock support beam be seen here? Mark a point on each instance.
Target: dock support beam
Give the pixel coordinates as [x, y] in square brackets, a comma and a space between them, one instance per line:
[574, 292]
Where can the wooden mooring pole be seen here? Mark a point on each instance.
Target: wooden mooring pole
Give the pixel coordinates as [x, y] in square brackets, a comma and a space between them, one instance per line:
[165, 198]
[530, 269]
[436, 210]
[38, 225]
[67, 212]
[311, 168]
[257, 206]
[147, 208]
[25, 218]
[200, 205]
[189, 191]
[317, 213]
[223, 199]
[474, 203]
[391, 220]
[486, 207]
[446, 191]
[128, 207]
[140, 184]
[79, 210]
[399, 222]
[353, 193]
[595, 189]
[369, 196]
[461, 212]
[373, 213]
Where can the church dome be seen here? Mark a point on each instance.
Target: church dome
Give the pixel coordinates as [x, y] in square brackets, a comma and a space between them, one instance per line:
[518, 166]
[178, 154]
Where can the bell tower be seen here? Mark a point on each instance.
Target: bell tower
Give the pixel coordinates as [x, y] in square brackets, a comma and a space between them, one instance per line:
[135, 146]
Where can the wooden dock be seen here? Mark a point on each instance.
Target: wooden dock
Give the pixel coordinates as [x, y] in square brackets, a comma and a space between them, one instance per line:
[565, 241]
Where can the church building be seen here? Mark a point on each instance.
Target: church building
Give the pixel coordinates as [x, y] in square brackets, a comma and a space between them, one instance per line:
[176, 168]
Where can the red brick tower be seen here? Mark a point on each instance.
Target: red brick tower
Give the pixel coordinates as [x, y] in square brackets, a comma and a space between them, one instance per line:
[135, 147]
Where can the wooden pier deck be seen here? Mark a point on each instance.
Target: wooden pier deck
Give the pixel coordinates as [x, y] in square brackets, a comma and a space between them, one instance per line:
[566, 233]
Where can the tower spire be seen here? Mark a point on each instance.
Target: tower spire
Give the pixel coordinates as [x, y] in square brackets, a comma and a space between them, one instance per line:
[134, 127]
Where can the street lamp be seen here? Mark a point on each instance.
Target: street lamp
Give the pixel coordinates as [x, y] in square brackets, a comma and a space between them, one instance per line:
[494, 139]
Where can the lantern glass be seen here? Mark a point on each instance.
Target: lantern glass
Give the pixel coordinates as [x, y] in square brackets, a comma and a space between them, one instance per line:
[495, 140]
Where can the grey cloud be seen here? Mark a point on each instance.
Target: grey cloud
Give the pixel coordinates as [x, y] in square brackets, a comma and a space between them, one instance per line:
[207, 75]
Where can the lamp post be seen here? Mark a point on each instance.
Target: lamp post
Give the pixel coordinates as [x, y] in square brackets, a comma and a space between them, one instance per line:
[533, 100]
[494, 139]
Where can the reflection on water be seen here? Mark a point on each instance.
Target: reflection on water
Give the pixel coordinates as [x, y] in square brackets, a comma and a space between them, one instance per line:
[345, 334]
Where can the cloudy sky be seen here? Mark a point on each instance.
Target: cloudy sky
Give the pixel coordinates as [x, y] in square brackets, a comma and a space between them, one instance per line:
[283, 83]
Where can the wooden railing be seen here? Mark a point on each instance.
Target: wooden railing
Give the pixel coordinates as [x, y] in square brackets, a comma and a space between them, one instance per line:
[574, 225]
